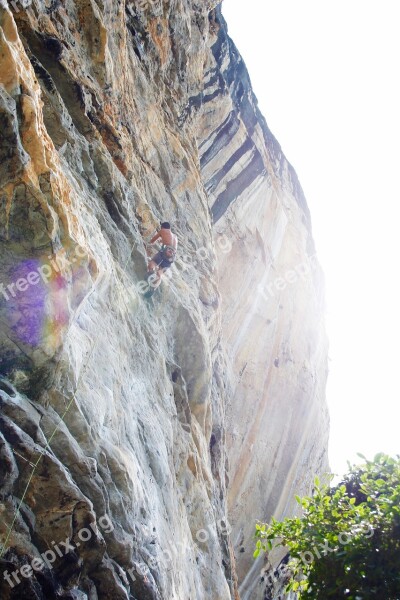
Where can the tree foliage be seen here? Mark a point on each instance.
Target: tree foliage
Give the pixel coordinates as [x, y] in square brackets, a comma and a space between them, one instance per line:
[347, 542]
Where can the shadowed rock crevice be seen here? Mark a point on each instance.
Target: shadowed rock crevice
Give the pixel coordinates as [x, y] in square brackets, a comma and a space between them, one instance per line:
[47, 51]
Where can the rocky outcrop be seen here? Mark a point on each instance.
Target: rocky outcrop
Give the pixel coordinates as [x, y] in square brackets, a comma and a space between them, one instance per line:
[119, 415]
[272, 309]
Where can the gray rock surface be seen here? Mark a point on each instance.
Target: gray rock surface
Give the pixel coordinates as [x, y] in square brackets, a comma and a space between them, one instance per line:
[272, 310]
[132, 431]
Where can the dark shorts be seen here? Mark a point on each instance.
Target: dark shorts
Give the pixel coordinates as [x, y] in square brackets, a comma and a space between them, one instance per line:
[161, 261]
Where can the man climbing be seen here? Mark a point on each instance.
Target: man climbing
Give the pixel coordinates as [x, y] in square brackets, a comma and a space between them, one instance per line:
[166, 256]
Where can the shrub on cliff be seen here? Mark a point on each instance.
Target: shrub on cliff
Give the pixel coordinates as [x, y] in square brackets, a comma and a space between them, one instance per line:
[347, 543]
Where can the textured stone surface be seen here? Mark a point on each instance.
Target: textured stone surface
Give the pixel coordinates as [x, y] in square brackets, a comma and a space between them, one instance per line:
[115, 116]
[272, 310]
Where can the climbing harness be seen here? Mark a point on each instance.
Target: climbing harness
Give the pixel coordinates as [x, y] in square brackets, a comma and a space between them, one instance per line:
[168, 253]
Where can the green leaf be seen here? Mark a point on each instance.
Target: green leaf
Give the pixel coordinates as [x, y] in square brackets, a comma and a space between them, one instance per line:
[364, 507]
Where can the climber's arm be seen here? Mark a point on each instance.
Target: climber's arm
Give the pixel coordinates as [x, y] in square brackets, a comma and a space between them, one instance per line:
[155, 237]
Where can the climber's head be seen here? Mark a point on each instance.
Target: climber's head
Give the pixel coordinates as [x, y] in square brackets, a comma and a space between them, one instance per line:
[165, 225]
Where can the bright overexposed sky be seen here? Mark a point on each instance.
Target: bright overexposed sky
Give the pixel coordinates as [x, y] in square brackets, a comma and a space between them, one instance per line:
[326, 75]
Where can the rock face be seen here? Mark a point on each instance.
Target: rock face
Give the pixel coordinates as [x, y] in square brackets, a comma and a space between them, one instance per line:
[135, 434]
[272, 308]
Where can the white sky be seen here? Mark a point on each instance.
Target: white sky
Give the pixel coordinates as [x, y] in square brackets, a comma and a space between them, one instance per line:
[326, 74]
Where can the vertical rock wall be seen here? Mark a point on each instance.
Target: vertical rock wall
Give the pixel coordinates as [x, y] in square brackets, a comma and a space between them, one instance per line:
[118, 415]
[272, 309]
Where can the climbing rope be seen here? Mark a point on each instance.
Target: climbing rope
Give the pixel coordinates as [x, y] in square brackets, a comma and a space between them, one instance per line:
[42, 453]
[36, 464]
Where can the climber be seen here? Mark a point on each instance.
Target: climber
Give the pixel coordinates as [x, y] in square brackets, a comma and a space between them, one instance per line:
[166, 256]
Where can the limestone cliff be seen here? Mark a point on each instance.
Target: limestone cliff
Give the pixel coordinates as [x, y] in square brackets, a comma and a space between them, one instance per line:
[135, 434]
[272, 309]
